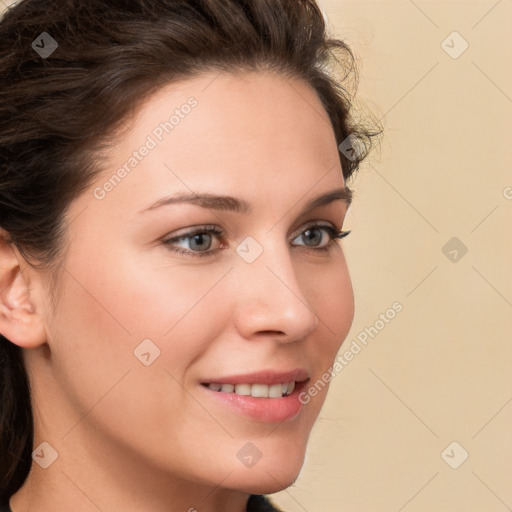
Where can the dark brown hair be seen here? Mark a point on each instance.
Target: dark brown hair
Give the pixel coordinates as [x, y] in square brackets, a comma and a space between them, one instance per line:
[58, 111]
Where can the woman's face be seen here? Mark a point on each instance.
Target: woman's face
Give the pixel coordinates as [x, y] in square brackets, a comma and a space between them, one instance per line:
[145, 318]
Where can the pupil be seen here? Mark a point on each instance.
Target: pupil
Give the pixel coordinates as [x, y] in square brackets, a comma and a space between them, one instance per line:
[199, 238]
[308, 233]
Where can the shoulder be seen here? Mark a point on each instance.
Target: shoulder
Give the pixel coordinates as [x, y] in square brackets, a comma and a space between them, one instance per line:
[259, 503]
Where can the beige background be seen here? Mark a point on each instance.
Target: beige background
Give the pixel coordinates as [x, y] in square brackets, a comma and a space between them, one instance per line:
[440, 370]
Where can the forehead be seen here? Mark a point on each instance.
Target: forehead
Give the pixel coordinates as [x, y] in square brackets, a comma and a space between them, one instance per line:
[250, 111]
[228, 133]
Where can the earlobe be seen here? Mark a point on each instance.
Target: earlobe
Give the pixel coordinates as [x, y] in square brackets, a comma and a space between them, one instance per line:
[20, 321]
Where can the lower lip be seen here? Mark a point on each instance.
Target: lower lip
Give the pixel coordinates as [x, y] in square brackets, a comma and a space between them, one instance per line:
[268, 410]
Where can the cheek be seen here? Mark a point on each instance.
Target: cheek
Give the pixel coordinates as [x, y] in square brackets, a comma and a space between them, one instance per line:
[330, 294]
[101, 319]
[342, 311]
[179, 308]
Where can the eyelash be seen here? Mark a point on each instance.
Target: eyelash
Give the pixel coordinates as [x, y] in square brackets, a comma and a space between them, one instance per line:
[333, 233]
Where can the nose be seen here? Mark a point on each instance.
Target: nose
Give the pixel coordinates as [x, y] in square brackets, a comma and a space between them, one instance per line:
[270, 301]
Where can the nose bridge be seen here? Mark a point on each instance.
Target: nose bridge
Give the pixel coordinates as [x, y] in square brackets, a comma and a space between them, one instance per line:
[269, 295]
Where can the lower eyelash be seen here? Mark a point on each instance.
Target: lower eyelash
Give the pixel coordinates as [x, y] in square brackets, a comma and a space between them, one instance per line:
[333, 233]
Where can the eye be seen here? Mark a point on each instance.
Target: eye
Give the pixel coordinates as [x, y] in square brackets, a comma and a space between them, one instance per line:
[315, 234]
[199, 241]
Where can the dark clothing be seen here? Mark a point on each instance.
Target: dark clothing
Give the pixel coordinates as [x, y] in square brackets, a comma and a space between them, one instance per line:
[259, 503]
[256, 503]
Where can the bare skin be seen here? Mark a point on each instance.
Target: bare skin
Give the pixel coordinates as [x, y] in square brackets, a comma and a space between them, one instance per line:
[149, 438]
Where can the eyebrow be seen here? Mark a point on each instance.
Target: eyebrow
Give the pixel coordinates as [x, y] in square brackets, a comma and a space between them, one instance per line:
[238, 205]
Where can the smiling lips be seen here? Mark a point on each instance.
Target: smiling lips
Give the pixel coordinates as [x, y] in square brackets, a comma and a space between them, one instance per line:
[262, 384]
[256, 390]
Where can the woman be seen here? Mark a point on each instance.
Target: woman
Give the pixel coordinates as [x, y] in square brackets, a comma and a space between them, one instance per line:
[172, 191]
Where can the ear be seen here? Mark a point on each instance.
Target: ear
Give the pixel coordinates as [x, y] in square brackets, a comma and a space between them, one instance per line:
[20, 318]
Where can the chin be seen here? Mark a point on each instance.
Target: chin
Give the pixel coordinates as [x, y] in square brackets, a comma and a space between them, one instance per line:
[267, 477]
[264, 484]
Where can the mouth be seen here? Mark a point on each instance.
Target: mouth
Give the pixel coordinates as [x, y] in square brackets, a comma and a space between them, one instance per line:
[261, 384]
[257, 390]
[276, 399]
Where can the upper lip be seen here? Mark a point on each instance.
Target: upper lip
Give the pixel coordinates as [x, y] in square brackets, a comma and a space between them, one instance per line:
[268, 377]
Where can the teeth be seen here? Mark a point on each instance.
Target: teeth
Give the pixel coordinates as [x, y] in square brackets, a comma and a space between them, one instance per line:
[276, 390]
[242, 389]
[256, 390]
